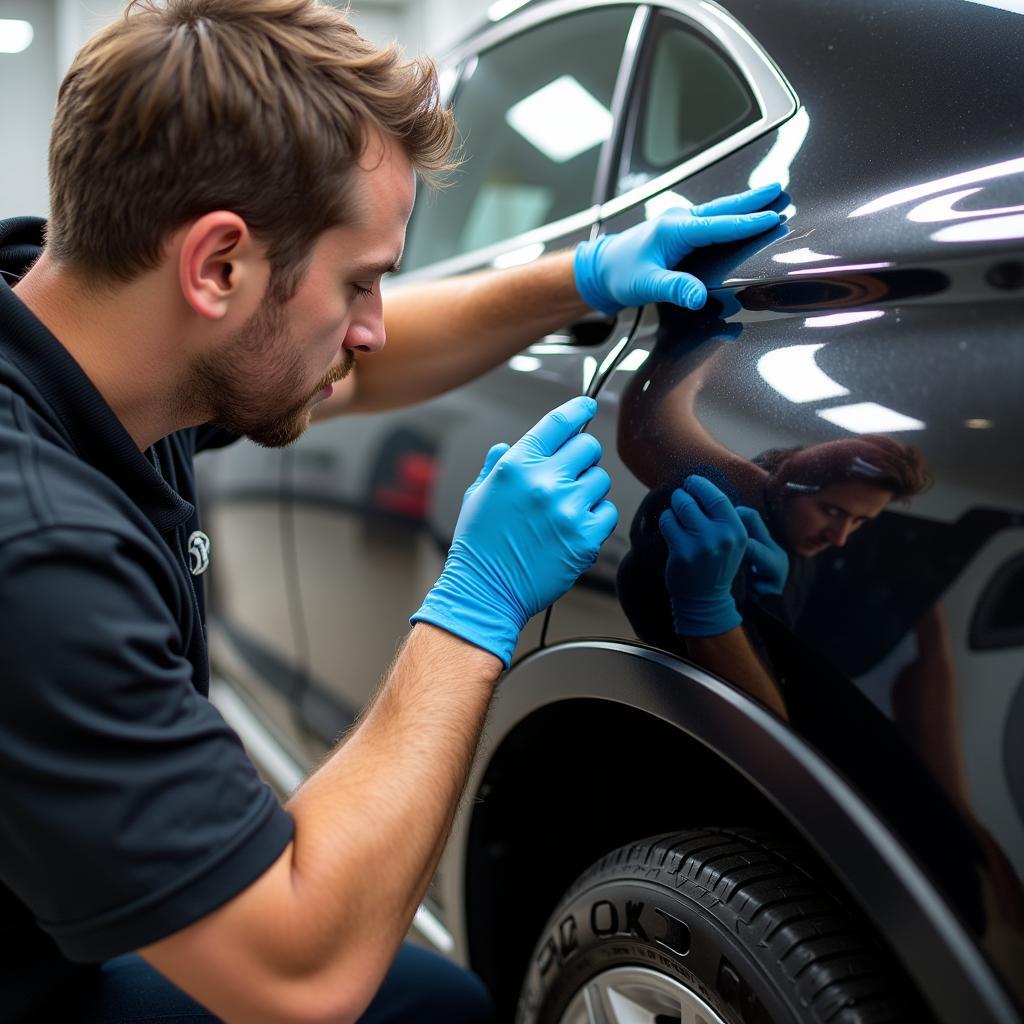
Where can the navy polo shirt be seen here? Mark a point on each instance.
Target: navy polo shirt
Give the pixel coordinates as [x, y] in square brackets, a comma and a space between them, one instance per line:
[128, 808]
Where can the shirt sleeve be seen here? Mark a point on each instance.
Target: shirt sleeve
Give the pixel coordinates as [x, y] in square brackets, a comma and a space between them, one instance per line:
[129, 808]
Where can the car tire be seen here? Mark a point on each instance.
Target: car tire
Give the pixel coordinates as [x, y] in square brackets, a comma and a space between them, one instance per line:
[711, 926]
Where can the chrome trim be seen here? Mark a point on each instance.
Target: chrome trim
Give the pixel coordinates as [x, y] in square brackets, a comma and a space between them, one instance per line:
[478, 257]
[620, 100]
[520, 21]
[772, 92]
[281, 769]
[286, 775]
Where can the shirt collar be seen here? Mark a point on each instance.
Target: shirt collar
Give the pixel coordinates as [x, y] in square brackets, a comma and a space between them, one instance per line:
[83, 415]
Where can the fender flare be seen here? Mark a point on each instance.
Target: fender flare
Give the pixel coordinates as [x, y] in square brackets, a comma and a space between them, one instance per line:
[935, 948]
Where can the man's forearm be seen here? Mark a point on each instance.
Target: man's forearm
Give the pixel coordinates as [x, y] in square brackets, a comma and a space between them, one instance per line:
[371, 823]
[732, 657]
[441, 334]
[315, 934]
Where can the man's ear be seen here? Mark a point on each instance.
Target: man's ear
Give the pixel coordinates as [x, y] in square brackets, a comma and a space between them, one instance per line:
[220, 266]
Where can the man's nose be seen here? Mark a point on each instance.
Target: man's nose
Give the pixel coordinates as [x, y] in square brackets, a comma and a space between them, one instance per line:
[366, 331]
[840, 534]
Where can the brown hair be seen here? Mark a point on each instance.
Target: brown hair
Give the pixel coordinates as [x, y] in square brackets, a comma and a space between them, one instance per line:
[872, 459]
[261, 107]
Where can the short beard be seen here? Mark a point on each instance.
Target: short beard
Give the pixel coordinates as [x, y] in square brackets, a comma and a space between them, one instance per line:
[241, 403]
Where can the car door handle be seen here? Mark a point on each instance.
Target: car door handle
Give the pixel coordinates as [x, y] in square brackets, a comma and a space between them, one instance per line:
[588, 332]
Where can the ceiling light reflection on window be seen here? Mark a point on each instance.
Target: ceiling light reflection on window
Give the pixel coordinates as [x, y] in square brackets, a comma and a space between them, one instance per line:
[15, 36]
[978, 424]
[869, 418]
[842, 319]
[561, 119]
[794, 374]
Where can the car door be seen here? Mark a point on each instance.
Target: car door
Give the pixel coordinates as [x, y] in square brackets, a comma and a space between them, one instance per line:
[373, 499]
[709, 113]
[825, 362]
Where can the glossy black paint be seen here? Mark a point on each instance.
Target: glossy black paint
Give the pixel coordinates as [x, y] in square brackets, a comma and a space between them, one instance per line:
[899, 655]
[549, 693]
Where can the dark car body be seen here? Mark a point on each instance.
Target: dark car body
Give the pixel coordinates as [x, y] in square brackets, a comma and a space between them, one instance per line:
[891, 302]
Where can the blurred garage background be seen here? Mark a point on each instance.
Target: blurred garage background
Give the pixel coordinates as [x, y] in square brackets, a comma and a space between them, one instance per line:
[38, 39]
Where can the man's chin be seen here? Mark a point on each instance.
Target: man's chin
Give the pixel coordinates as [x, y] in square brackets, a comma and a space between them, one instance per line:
[281, 433]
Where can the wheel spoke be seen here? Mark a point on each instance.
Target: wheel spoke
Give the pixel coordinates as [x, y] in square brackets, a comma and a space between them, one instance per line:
[637, 995]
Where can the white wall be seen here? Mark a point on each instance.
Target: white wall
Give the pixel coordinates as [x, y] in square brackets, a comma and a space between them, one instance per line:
[61, 26]
[28, 92]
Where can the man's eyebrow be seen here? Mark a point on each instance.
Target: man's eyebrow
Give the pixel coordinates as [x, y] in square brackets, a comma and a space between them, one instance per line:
[377, 269]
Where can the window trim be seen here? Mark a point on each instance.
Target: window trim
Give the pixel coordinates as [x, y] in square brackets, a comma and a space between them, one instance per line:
[772, 93]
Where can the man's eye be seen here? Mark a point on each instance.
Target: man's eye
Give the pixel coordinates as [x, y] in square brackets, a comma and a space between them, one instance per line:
[360, 290]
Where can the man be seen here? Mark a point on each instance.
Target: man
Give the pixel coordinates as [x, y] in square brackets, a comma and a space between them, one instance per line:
[230, 179]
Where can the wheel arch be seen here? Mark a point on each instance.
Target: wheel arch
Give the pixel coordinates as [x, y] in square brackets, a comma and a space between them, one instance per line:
[600, 741]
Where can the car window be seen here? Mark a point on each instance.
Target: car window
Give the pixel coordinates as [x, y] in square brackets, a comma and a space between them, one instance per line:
[532, 112]
[691, 96]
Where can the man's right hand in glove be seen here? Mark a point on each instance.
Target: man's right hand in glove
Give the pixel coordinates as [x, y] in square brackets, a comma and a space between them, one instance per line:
[706, 541]
[531, 523]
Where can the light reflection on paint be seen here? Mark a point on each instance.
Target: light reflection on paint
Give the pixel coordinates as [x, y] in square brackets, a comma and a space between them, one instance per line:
[589, 370]
[836, 269]
[794, 374]
[991, 229]
[870, 418]
[517, 257]
[931, 188]
[657, 205]
[777, 161]
[842, 319]
[932, 211]
[525, 364]
[802, 256]
[633, 361]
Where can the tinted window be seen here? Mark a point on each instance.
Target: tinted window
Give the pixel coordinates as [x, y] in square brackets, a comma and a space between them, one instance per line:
[532, 116]
[691, 97]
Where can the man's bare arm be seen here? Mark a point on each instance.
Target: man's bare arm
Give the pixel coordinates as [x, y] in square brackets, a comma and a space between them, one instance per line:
[312, 938]
[441, 334]
[732, 657]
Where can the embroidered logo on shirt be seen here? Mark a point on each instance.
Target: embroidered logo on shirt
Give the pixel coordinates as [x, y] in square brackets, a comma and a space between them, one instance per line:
[199, 553]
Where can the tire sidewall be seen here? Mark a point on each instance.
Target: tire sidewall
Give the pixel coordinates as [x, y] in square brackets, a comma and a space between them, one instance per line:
[622, 921]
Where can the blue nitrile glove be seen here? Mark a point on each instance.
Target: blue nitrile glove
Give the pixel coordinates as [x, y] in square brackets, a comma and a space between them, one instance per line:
[767, 563]
[532, 521]
[706, 541]
[635, 266]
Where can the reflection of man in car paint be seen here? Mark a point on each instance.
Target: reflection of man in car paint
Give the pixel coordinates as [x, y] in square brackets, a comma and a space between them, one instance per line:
[817, 496]
[794, 503]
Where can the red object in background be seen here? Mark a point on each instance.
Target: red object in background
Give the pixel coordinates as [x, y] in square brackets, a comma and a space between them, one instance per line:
[408, 492]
